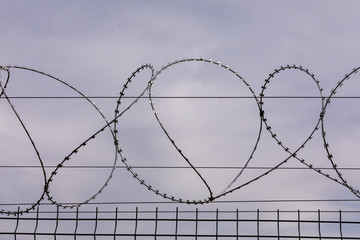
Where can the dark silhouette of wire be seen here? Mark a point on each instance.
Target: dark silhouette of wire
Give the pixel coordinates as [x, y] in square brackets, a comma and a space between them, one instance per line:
[153, 221]
[179, 167]
[111, 125]
[181, 97]
[172, 202]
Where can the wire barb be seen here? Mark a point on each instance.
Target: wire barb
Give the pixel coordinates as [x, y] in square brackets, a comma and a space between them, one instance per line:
[113, 125]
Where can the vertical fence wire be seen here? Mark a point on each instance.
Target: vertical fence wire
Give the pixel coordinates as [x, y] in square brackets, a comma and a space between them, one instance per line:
[237, 224]
[56, 222]
[217, 224]
[319, 227]
[156, 223]
[37, 222]
[17, 223]
[196, 223]
[76, 222]
[258, 224]
[340, 225]
[176, 222]
[136, 223]
[278, 224]
[96, 222]
[298, 224]
[116, 222]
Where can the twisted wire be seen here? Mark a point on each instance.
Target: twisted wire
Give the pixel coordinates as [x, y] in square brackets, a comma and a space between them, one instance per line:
[356, 192]
[113, 125]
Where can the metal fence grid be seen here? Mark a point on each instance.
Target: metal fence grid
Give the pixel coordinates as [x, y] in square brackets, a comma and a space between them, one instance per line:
[180, 224]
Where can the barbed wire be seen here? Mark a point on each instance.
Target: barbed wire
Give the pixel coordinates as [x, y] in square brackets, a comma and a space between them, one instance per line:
[112, 126]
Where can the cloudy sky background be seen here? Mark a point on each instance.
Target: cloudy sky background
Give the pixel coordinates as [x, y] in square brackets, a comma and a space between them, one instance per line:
[96, 45]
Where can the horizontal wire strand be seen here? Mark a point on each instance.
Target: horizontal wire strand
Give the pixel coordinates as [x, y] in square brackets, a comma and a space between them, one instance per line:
[72, 211]
[179, 167]
[179, 97]
[213, 202]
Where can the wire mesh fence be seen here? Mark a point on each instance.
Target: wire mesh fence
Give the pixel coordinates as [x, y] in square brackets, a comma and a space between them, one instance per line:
[180, 224]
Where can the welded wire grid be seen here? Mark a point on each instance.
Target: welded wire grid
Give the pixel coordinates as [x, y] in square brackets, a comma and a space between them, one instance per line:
[78, 219]
[180, 224]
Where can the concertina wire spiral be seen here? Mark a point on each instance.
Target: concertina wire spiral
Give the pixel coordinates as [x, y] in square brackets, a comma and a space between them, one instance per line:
[112, 126]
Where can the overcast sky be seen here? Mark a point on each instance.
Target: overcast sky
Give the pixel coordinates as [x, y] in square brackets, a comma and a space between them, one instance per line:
[94, 46]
